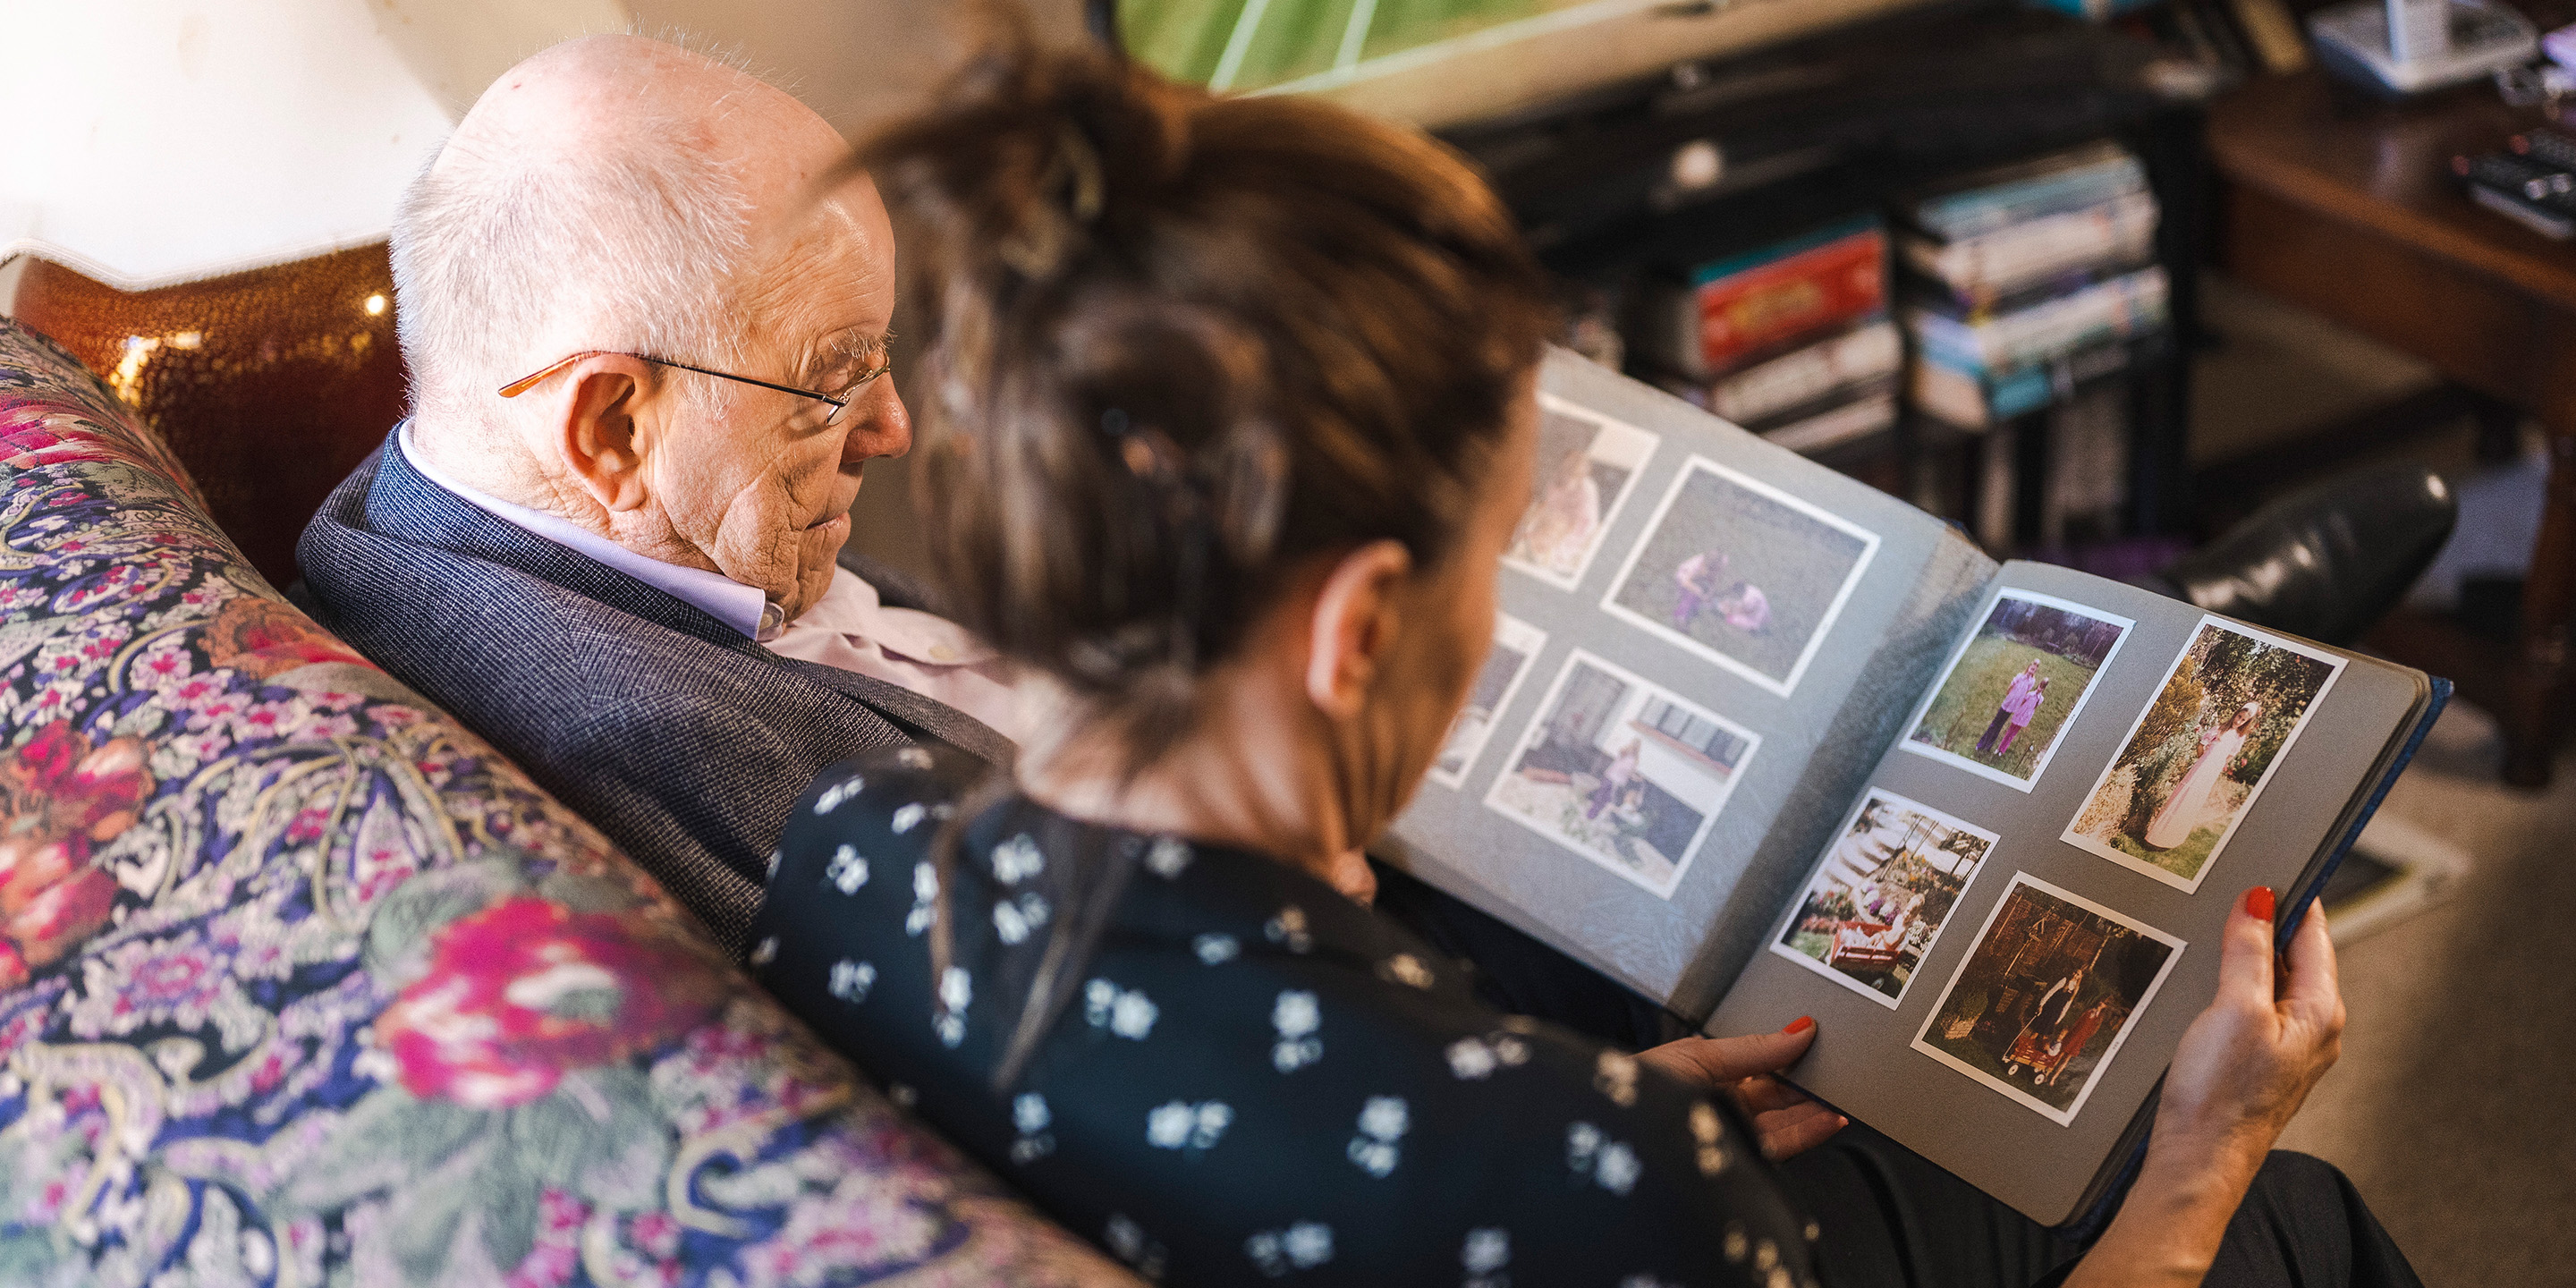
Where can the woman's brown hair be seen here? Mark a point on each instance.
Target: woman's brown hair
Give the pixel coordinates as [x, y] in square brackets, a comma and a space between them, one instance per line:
[1173, 346]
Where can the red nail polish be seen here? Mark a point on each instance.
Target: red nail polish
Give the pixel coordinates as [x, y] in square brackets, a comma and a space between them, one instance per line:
[2258, 903]
[1800, 1024]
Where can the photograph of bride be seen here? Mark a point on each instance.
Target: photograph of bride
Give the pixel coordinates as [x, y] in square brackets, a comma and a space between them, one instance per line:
[2230, 707]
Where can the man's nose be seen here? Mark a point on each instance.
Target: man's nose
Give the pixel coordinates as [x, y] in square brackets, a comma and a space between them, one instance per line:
[882, 427]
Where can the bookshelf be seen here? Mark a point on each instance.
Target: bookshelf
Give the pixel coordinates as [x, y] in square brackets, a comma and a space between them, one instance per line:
[1717, 156]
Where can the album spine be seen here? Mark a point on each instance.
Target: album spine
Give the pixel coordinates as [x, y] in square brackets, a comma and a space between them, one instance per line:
[2314, 884]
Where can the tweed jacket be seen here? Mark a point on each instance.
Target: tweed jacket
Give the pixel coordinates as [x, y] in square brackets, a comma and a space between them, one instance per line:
[683, 741]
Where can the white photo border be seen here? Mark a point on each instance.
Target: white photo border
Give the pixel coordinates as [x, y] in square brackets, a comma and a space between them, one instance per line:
[2064, 727]
[1815, 639]
[2129, 1025]
[1817, 873]
[1610, 513]
[2208, 621]
[1538, 719]
[1504, 624]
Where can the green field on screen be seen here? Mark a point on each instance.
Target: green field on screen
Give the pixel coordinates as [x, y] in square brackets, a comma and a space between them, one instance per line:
[1250, 44]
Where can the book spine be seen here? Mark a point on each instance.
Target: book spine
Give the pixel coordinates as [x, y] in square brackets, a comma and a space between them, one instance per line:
[1939, 297]
[2119, 308]
[1807, 292]
[1987, 210]
[1874, 349]
[2000, 262]
[1976, 397]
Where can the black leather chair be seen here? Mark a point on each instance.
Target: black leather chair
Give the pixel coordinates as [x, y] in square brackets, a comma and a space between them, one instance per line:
[2325, 562]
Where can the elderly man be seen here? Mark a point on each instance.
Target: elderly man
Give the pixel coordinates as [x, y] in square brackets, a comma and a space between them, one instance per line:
[647, 366]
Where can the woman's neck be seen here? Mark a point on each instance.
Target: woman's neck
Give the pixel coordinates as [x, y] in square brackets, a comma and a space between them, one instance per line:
[1247, 776]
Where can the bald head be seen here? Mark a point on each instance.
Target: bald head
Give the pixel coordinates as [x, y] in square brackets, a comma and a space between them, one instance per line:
[602, 194]
[644, 100]
[622, 196]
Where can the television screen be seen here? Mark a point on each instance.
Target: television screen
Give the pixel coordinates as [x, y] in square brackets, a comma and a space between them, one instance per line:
[1445, 62]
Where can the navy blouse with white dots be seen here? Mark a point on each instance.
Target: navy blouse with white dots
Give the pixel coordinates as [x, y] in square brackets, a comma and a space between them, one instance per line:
[1256, 1078]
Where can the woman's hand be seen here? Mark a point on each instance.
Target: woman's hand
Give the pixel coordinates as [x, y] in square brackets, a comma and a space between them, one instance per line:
[1785, 1120]
[2246, 1065]
[2243, 1069]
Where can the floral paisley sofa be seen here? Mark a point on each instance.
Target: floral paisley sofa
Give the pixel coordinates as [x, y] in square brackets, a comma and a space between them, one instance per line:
[300, 983]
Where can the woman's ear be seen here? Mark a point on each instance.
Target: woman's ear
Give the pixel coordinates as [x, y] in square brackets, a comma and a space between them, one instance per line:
[597, 437]
[1354, 627]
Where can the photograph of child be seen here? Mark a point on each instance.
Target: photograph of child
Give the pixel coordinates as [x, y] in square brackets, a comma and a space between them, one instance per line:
[1515, 643]
[2230, 707]
[2015, 685]
[1741, 573]
[1622, 773]
[1884, 891]
[2044, 1000]
[1587, 465]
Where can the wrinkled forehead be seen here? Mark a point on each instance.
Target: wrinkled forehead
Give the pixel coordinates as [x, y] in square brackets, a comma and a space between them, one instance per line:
[821, 275]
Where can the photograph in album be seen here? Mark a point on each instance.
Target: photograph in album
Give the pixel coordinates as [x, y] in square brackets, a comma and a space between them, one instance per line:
[2043, 1001]
[1886, 888]
[1623, 773]
[1516, 645]
[2229, 710]
[1741, 573]
[1587, 466]
[2017, 684]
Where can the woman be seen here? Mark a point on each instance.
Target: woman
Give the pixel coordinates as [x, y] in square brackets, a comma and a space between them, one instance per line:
[2021, 684]
[2072, 1045]
[2187, 806]
[1695, 583]
[1614, 778]
[2023, 709]
[2032, 1048]
[1559, 528]
[1235, 420]
[1741, 605]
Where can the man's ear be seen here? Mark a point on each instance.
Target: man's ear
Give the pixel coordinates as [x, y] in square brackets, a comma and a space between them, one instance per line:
[598, 438]
[1354, 627]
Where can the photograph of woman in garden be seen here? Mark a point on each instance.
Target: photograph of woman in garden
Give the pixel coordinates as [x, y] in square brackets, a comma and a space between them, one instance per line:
[2016, 686]
[2228, 711]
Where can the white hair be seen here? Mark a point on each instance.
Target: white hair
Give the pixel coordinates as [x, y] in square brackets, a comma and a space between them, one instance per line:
[500, 250]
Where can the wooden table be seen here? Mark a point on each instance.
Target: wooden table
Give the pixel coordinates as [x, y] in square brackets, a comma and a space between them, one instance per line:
[2349, 207]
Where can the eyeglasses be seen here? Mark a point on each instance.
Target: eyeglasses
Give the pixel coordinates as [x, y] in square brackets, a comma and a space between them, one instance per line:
[838, 404]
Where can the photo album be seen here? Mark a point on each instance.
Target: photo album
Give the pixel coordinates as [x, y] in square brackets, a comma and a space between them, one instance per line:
[1761, 741]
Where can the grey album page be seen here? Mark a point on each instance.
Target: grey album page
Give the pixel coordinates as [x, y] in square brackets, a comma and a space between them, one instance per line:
[2009, 926]
[1706, 642]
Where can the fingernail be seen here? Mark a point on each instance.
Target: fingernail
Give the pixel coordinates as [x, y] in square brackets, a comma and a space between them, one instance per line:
[1800, 1024]
[2258, 903]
